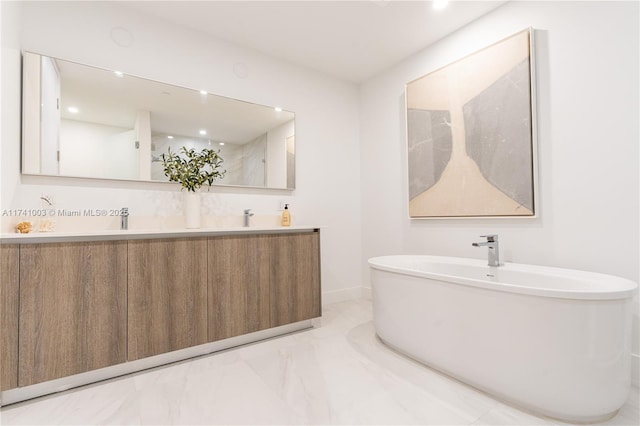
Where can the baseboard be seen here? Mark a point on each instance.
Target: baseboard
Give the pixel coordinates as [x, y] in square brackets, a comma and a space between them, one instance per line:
[366, 293]
[336, 296]
[635, 370]
[352, 293]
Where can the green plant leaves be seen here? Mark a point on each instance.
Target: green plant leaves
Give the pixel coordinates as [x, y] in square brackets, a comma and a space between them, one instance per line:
[198, 168]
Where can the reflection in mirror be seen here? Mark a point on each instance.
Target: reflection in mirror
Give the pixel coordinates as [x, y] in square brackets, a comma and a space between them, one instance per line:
[83, 121]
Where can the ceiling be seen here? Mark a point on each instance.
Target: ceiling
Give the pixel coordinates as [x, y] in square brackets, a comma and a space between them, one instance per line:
[351, 40]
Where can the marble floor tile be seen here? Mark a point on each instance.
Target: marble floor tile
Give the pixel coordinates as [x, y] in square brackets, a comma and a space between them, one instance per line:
[337, 373]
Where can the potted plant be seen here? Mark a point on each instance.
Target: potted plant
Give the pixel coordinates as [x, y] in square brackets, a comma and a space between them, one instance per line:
[192, 170]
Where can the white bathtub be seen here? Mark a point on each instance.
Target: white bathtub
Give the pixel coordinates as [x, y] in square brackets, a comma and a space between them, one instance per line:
[553, 341]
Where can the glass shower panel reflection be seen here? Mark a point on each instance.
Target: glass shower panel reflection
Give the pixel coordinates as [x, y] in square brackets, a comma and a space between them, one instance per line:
[253, 154]
[244, 163]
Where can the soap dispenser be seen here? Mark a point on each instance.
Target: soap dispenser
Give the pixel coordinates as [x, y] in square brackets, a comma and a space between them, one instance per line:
[286, 216]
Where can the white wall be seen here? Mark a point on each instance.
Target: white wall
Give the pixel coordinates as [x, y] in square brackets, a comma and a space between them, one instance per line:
[327, 130]
[351, 156]
[587, 88]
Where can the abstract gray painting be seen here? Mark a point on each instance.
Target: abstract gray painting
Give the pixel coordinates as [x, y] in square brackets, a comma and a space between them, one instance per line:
[470, 135]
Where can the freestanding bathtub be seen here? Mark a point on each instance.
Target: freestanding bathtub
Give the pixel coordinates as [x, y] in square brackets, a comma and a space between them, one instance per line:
[553, 341]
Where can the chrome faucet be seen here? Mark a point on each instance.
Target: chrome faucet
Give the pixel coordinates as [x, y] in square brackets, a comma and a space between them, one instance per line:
[247, 215]
[124, 218]
[492, 245]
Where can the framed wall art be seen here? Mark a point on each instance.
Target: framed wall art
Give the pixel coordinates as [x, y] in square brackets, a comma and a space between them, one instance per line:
[471, 135]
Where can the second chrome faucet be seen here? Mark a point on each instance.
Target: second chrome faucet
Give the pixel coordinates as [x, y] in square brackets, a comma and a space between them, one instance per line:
[124, 218]
[494, 249]
[247, 215]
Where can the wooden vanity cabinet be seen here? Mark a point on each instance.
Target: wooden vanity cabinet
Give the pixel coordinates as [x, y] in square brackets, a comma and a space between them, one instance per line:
[73, 313]
[238, 285]
[73, 307]
[9, 311]
[295, 277]
[167, 295]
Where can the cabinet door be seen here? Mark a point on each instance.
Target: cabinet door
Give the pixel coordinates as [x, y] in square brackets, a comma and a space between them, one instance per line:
[72, 308]
[295, 277]
[9, 311]
[167, 295]
[238, 285]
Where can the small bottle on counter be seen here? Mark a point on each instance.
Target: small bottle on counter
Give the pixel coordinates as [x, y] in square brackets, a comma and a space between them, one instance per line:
[286, 216]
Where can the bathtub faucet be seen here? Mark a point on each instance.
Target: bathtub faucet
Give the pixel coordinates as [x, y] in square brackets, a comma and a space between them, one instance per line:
[492, 245]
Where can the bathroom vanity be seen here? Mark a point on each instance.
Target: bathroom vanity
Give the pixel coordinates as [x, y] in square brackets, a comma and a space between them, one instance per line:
[81, 308]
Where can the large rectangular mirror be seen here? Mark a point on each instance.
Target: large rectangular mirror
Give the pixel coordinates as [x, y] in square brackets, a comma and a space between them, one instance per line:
[83, 121]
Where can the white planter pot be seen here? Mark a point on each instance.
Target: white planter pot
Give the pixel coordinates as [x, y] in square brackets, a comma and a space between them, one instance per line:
[192, 209]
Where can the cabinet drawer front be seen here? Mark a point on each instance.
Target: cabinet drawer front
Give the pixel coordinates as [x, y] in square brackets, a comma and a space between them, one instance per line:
[238, 285]
[167, 295]
[295, 278]
[72, 308]
[9, 311]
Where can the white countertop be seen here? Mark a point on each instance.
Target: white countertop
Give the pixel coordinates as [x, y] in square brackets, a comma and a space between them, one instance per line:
[132, 234]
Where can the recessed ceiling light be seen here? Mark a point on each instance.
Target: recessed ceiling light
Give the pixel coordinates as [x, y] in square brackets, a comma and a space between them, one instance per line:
[203, 92]
[169, 137]
[221, 144]
[203, 132]
[278, 109]
[118, 73]
[73, 110]
[440, 4]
